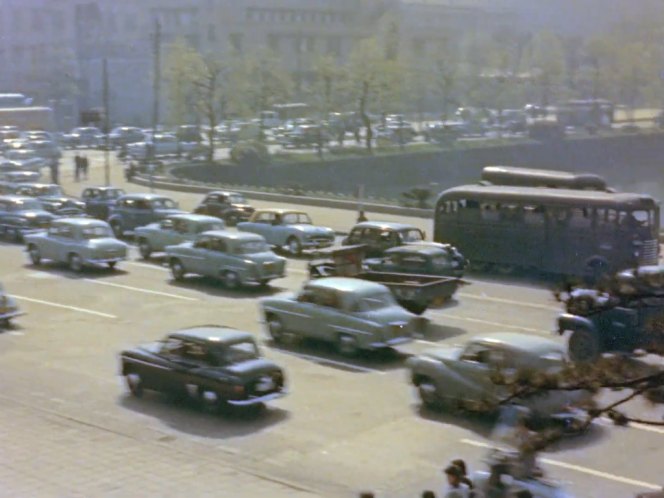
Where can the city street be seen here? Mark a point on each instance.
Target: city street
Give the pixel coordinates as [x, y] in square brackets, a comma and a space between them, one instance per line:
[70, 428]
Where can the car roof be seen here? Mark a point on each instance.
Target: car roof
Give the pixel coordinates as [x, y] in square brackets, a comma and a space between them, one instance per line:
[279, 211]
[144, 196]
[524, 342]
[39, 185]
[16, 198]
[346, 285]
[193, 217]
[211, 333]
[103, 187]
[385, 225]
[237, 236]
[82, 222]
[222, 192]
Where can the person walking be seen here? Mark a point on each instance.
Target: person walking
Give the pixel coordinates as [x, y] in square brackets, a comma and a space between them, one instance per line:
[77, 167]
[85, 166]
[55, 166]
[464, 472]
[455, 487]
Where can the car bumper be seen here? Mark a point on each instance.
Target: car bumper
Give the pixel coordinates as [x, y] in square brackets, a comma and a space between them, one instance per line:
[103, 261]
[259, 399]
[317, 244]
[391, 342]
[262, 278]
[11, 314]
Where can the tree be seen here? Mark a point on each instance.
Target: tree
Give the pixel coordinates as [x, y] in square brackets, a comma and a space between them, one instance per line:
[208, 91]
[326, 90]
[182, 66]
[445, 74]
[546, 62]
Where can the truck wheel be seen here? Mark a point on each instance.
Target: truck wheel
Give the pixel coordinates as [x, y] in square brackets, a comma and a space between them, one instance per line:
[294, 246]
[144, 248]
[347, 345]
[177, 270]
[35, 255]
[275, 328]
[426, 390]
[75, 263]
[583, 346]
[231, 280]
[415, 308]
[135, 384]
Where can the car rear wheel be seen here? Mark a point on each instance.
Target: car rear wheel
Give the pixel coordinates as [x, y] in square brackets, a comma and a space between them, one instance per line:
[426, 390]
[111, 265]
[347, 345]
[177, 270]
[583, 346]
[35, 255]
[231, 280]
[415, 308]
[294, 246]
[135, 384]
[75, 263]
[144, 248]
[275, 328]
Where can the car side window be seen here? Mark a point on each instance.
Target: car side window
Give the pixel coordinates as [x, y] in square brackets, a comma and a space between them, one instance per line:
[355, 236]
[218, 245]
[266, 218]
[202, 243]
[142, 205]
[477, 353]
[194, 352]
[166, 224]
[172, 347]
[180, 226]
[327, 298]
[66, 232]
[54, 231]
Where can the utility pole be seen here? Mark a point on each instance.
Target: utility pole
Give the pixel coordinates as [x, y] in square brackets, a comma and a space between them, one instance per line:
[107, 163]
[156, 89]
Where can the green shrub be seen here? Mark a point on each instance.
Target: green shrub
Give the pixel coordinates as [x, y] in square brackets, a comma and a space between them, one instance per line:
[250, 153]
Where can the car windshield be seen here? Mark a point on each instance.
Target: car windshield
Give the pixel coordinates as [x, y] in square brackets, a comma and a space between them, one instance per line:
[375, 301]
[238, 352]
[49, 190]
[237, 199]
[296, 219]
[209, 227]
[26, 205]
[114, 194]
[96, 233]
[411, 235]
[164, 204]
[251, 247]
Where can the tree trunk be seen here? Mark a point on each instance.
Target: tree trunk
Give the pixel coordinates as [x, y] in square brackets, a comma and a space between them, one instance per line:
[363, 115]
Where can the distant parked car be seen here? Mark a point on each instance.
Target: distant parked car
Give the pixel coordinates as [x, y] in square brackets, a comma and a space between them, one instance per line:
[46, 149]
[235, 258]
[304, 136]
[229, 206]
[86, 136]
[20, 216]
[136, 210]
[379, 236]
[462, 377]
[290, 229]
[352, 314]
[18, 177]
[421, 258]
[214, 365]
[78, 242]
[164, 144]
[125, 135]
[8, 308]
[100, 200]
[52, 198]
[7, 188]
[172, 230]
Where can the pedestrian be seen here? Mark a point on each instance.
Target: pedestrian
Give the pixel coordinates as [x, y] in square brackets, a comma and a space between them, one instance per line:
[367, 494]
[362, 217]
[523, 493]
[85, 164]
[428, 494]
[77, 167]
[55, 166]
[464, 472]
[455, 487]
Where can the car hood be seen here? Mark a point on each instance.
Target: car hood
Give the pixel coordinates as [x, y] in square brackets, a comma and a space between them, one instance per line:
[107, 244]
[72, 201]
[243, 207]
[150, 226]
[166, 212]
[35, 213]
[252, 368]
[389, 315]
[313, 230]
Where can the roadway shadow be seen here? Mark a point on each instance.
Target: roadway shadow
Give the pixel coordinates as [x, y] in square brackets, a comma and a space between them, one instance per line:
[89, 272]
[187, 417]
[529, 278]
[324, 354]
[436, 332]
[215, 288]
[477, 423]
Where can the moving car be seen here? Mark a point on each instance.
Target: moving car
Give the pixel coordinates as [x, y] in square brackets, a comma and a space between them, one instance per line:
[164, 144]
[235, 258]
[52, 198]
[100, 200]
[8, 308]
[136, 210]
[352, 314]
[462, 377]
[229, 206]
[77, 242]
[212, 364]
[421, 258]
[172, 230]
[291, 229]
[20, 216]
[379, 236]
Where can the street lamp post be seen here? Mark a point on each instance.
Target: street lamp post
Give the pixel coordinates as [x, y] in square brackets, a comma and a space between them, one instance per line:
[107, 161]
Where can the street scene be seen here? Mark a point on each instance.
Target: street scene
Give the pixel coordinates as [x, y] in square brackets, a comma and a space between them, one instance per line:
[331, 249]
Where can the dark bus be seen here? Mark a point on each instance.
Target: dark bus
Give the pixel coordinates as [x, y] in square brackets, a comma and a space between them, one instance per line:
[559, 231]
[528, 177]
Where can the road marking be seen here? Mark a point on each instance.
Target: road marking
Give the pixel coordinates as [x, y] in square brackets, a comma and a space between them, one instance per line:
[578, 468]
[138, 289]
[509, 301]
[487, 322]
[428, 343]
[147, 265]
[633, 425]
[64, 306]
[324, 361]
[297, 270]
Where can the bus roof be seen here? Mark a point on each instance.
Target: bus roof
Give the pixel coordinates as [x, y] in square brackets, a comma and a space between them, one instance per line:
[547, 196]
[530, 177]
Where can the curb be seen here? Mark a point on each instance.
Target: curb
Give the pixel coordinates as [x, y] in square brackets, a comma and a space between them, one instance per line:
[167, 184]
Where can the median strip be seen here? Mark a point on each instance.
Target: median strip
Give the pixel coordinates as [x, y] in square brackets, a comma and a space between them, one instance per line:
[64, 306]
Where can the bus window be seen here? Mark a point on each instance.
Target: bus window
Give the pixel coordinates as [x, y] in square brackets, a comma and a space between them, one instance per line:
[511, 212]
[644, 218]
[490, 212]
[611, 216]
[533, 215]
[581, 218]
[633, 219]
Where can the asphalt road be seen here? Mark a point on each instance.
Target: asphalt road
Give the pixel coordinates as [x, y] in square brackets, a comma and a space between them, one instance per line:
[68, 427]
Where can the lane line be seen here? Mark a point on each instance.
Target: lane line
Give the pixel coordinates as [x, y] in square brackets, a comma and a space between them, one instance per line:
[509, 301]
[578, 468]
[324, 361]
[487, 322]
[64, 306]
[138, 289]
[633, 425]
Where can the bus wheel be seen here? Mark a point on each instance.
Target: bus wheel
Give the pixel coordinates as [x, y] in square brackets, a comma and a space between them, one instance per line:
[583, 346]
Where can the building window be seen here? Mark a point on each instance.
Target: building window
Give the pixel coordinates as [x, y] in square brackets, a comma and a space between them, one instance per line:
[235, 40]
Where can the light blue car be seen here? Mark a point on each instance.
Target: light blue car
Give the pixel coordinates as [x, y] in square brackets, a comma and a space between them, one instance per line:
[289, 229]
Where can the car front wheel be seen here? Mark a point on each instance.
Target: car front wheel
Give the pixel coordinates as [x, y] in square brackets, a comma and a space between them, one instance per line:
[231, 280]
[275, 328]
[426, 390]
[75, 263]
[294, 246]
[347, 345]
[583, 346]
[177, 270]
[35, 255]
[144, 248]
[135, 384]
[117, 229]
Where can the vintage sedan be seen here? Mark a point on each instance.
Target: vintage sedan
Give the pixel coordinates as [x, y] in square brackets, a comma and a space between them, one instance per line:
[229, 206]
[52, 198]
[78, 242]
[20, 216]
[235, 258]
[353, 314]
[136, 210]
[214, 365]
[422, 258]
[379, 236]
[8, 308]
[173, 230]
[289, 229]
[100, 200]
[463, 377]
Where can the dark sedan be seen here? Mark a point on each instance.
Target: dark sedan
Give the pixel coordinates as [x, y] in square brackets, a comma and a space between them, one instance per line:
[214, 365]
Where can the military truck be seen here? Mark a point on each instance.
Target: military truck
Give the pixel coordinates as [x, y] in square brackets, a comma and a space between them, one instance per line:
[623, 313]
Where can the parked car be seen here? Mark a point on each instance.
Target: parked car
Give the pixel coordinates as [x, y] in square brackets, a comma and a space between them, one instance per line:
[288, 229]
[52, 198]
[380, 236]
[125, 135]
[7, 188]
[85, 136]
[172, 230]
[229, 206]
[46, 149]
[8, 308]
[353, 314]
[189, 133]
[236, 259]
[214, 365]
[443, 132]
[422, 258]
[20, 216]
[136, 210]
[78, 242]
[18, 176]
[164, 144]
[100, 200]
[26, 157]
[304, 136]
[463, 377]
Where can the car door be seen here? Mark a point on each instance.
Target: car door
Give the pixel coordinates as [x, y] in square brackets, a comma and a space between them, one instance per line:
[217, 259]
[472, 375]
[329, 317]
[47, 244]
[142, 214]
[299, 315]
[169, 372]
[262, 225]
[62, 244]
[173, 232]
[195, 258]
